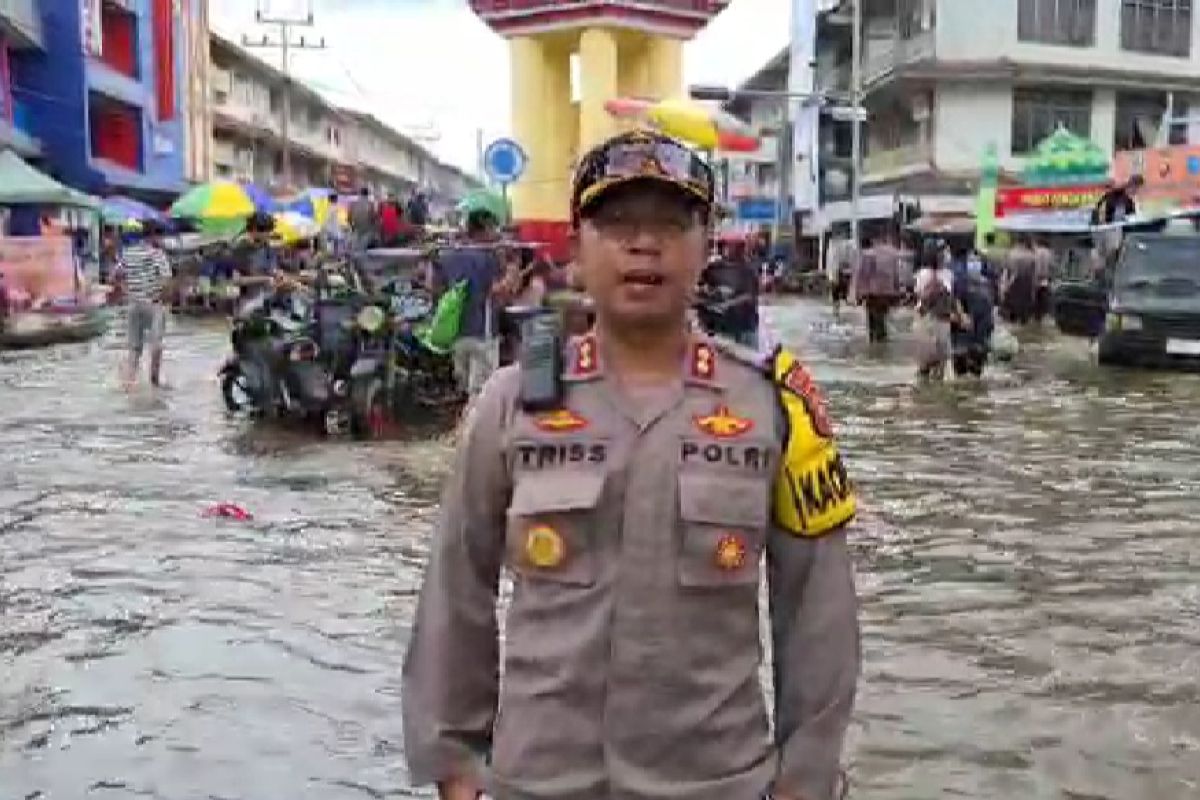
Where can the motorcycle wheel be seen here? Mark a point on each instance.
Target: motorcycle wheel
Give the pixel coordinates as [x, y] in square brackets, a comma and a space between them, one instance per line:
[235, 390]
[369, 412]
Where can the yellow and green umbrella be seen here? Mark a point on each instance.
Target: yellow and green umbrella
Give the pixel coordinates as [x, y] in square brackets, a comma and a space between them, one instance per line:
[223, 206]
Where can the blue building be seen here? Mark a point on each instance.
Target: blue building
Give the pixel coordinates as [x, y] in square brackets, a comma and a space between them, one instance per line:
[103, 96]
[20, 33]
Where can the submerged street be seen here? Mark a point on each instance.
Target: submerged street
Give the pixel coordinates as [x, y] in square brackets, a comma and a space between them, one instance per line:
[1027, 568]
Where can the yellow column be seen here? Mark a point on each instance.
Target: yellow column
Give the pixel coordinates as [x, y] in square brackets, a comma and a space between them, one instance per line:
[632, 78]
[529, 123]
[560, 134]
[664, 59]
[598, 73]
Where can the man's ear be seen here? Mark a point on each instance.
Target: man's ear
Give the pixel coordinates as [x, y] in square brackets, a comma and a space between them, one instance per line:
[573, 241]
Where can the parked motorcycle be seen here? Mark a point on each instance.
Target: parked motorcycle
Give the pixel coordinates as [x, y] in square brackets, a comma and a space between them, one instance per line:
[275, 369]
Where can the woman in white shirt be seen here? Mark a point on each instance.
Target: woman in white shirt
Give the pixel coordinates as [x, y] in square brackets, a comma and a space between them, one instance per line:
[934, 287]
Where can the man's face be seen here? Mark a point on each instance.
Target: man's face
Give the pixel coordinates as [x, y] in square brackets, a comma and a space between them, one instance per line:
[639, 253]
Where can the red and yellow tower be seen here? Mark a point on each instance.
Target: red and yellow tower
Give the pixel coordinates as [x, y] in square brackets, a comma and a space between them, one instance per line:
[625, 48]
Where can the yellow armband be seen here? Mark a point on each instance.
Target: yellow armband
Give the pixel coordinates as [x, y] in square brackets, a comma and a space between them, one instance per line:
[813, 494]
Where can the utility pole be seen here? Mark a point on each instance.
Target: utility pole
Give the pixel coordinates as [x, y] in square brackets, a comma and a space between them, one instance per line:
[856, 131]
[285, 44]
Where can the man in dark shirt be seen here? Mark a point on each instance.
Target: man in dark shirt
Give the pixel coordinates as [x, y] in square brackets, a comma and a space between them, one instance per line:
[729, 297]
[477, 264]
[364, 220]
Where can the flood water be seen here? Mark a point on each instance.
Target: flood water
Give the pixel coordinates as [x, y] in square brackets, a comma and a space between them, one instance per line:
[1031, 600]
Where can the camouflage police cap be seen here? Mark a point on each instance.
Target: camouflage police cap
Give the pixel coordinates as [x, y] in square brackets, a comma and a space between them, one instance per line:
[640, 156]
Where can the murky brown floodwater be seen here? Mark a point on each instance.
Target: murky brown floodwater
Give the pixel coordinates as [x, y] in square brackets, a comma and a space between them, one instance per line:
[1032, 624]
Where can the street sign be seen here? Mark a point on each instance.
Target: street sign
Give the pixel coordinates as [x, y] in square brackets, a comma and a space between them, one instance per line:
[504, 161]
[756, 209]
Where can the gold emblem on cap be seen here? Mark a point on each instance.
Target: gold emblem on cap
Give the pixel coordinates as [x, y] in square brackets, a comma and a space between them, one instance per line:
[544, 547]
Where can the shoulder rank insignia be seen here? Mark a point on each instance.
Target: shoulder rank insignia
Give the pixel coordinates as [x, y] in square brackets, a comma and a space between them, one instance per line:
[586, 362]
[704, 362]
[723, 424]
[561, 421]
[799, 381]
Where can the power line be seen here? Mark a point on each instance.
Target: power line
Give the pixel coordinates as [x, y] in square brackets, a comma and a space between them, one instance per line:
[285, 44]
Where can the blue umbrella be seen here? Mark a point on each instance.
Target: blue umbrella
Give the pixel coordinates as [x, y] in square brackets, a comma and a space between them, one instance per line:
[119, 210]
[263, 202]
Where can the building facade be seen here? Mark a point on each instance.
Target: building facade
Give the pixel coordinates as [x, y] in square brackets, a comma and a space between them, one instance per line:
[21, 37]
[329, 145]
[945, 80]
[760, 184]
[103, 96]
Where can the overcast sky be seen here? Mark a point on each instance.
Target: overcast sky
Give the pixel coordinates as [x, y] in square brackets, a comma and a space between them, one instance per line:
[430, 66]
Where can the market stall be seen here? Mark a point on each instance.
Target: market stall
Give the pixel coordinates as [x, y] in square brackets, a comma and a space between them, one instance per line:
[47, 297]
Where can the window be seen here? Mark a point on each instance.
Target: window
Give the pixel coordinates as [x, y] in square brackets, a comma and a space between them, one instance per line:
[163, 22]
[1157, 26]
[1070, 22]
[1140, 117]
[1037, 113]
[119, 32]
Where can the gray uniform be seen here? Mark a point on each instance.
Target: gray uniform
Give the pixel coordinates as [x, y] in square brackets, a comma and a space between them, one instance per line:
[632, 652]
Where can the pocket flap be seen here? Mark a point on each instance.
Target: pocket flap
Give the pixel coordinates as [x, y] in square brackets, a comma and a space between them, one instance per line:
[723, 501]
[545, 493]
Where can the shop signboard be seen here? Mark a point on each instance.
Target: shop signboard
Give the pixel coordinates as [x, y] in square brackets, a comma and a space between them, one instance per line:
[1171, 175]
[1047, 208]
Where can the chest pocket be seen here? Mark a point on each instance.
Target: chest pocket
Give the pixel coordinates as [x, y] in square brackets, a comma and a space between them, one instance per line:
[552, 527]
[724, 526]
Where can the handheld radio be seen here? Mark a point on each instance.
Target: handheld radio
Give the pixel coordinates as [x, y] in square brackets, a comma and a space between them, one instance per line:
[540, 359]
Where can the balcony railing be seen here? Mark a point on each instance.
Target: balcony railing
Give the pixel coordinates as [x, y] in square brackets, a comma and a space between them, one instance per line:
[21, 20]
[881, 164]
[260, 118]
[883, 58]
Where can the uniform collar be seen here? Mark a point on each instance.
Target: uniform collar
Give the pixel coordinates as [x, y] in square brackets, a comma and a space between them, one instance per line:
[584, 361]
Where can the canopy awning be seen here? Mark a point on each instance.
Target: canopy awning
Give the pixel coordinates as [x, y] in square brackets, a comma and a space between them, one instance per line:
[22, 184]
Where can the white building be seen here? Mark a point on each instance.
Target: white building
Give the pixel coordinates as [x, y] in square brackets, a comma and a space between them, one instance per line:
[329, 146]
[944, 79]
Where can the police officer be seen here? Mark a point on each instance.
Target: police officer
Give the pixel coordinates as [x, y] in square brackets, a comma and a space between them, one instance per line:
[634, 517]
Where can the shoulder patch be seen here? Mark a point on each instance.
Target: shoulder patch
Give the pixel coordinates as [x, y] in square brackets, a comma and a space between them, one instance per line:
[813, 492]
[792, 376]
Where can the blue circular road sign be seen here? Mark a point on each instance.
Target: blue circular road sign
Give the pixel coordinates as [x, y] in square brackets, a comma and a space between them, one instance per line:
[504, 161]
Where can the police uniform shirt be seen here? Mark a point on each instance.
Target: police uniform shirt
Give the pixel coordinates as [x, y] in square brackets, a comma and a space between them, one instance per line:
[636, 541]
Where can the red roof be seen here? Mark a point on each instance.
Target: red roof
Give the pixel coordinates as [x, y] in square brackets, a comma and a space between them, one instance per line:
[513, 17]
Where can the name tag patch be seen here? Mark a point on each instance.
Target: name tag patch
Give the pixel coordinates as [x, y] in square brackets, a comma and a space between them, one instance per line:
[547, 455]
[750, 456]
